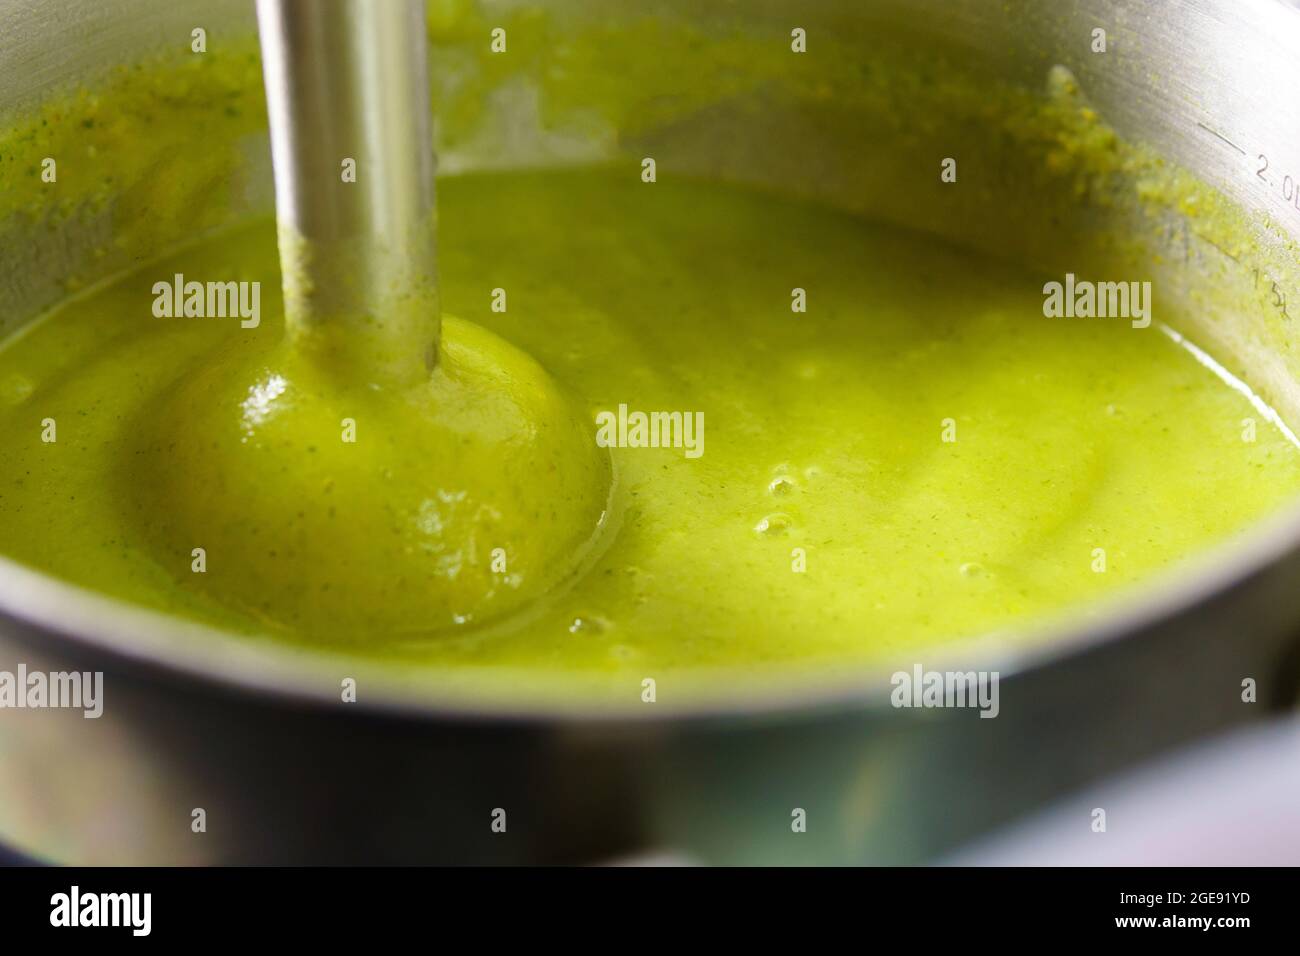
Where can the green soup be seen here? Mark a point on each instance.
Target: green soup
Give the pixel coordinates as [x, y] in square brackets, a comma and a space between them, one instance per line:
[890, 446]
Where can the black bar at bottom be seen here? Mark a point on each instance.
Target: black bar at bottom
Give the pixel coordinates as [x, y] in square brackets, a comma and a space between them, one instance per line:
[335, 905]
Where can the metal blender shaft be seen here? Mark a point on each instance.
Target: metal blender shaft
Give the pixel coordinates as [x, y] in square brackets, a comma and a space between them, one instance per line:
[348, 102]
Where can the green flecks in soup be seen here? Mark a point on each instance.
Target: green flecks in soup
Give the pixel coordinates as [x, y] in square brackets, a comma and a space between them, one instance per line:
[920, 455]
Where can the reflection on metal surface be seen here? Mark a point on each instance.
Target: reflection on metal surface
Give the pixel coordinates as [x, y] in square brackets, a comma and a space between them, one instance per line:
[1228, 802]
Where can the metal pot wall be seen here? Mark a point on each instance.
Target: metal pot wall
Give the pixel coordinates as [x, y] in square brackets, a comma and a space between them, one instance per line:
[256, 736]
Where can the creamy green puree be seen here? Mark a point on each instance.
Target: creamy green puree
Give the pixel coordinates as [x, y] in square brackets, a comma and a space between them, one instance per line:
[919, 456]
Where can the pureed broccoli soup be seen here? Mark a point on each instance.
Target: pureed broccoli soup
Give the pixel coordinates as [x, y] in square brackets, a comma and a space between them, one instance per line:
[755, 433]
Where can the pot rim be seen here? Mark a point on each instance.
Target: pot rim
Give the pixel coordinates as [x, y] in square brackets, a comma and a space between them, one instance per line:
[261, 666]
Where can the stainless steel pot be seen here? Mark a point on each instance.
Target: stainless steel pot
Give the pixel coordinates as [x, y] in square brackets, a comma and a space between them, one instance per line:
[256, 735]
